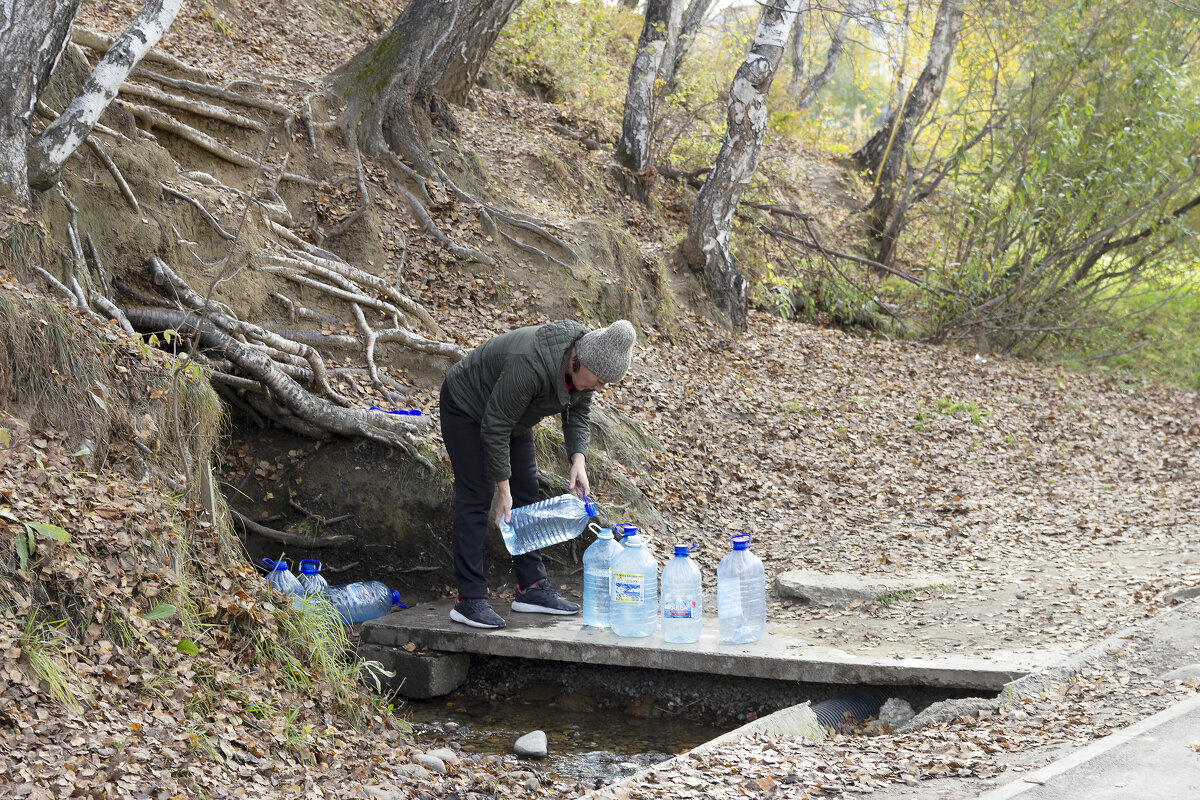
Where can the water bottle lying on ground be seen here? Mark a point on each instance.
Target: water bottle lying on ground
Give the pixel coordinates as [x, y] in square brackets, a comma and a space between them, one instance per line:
[546, 522]
[310, 577]
[741, 594]
[682, 604]
[283, 580]
[359, 602]
[597, 579]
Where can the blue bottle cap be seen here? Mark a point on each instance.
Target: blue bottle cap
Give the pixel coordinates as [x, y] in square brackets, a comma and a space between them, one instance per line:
[684, 549]
[396, 599]
[740, 541]
[626, 529]
[605, 533]
[310, 567]
[274, 565]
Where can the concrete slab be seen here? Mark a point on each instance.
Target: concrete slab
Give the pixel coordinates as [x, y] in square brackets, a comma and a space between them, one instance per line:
[1155, 759]
[841, 588]
[782, 653]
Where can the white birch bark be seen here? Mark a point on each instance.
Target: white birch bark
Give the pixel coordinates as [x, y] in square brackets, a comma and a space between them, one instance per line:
[805, 91]
[706, 246]
[32, 38]
[633, 148]
[689, 29]
[50, 151]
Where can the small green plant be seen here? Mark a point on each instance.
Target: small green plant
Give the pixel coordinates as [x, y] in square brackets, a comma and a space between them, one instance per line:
[26, 541]
[47, 650]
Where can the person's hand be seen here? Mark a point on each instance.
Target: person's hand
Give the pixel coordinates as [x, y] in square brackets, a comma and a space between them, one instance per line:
[503, 503]
[579, 478]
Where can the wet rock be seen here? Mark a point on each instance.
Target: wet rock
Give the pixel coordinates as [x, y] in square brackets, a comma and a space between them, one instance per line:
[444, 754]
[531, 745]
[431, 763]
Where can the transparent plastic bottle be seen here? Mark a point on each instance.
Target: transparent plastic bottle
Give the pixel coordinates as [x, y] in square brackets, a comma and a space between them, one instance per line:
[597, 579]
[546, 522]
[359, 602]
[682, 605]
[741, 594]
[635, 589]
[311, 579]
[283, 580]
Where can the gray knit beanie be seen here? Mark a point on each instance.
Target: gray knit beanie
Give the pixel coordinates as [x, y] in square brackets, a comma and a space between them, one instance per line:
[607, 351]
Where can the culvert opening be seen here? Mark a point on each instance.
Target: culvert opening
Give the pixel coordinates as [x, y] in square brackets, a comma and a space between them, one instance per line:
[604, 723]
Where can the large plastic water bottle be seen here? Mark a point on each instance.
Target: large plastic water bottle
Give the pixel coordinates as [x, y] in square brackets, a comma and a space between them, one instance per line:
[682, 604]
[741, 594]
[359, 602]
[634, 589]
[283, 580]
[546, 522]
[311, 579]
[597, 579]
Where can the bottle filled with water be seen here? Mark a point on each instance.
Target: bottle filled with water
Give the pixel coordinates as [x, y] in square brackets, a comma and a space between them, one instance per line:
[634, 589]
[682, 605]
[283, 580]
[597, 579]
[359, 602]
[546, 522]
[741, 594]
[310, 577]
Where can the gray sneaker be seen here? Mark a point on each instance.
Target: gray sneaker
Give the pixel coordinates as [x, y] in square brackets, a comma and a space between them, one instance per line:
[541, 599]
[477, 613]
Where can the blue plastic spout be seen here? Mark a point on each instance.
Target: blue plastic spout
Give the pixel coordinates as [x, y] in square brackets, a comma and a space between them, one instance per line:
[412, 412]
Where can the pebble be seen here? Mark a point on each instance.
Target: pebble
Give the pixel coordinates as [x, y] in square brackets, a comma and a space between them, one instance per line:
[431, 763]
[444, 754]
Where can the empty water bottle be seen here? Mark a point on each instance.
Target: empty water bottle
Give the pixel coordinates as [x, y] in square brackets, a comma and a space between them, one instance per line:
[283, 580]
[310, 577]
[635, 589]
[597, 579]
[682, 605]
[546, 522]
[359, 602]
[741, 594]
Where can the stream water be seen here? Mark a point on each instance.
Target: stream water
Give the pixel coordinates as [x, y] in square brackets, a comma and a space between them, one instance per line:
[590, 746]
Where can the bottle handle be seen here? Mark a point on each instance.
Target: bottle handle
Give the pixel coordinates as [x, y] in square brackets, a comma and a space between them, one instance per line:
[273, 565]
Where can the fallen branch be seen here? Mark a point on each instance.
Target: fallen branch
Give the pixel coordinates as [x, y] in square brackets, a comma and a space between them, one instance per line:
[289, 539]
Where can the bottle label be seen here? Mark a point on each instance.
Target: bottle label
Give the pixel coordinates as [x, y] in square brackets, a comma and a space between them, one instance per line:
[679, 609]
[629, 587]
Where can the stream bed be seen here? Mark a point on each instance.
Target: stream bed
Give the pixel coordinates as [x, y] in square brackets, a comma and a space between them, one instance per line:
[595, 747]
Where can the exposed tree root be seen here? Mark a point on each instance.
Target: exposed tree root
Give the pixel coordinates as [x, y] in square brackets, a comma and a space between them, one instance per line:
[289, 539]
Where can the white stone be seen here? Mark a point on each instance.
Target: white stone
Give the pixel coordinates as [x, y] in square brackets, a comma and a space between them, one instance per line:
[445, 754]
[531, 745]
[431, 763]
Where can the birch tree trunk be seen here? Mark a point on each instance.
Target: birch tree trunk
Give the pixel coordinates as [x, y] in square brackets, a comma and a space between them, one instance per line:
[689, 29]
[884, 153]
[805, 91]
[32, 37]
[55, 145]
[633, 148]
[706, 247]
[464, 65]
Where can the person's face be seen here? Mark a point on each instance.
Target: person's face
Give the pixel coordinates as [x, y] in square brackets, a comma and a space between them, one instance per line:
[585, 379]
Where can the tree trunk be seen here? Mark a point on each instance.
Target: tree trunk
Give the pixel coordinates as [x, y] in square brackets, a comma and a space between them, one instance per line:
[55, 145]
[689, 29]
[796, 47]
[886, 148]
[805, 91]
[391, 86]
[32, 37]
[706, 247]
[633, 148]
[463, 68]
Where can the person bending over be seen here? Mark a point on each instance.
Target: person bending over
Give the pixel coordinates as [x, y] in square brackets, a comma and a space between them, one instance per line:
[489, 403]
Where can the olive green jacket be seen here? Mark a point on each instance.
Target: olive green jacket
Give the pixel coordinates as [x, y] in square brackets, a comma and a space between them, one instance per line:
[511, 382]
